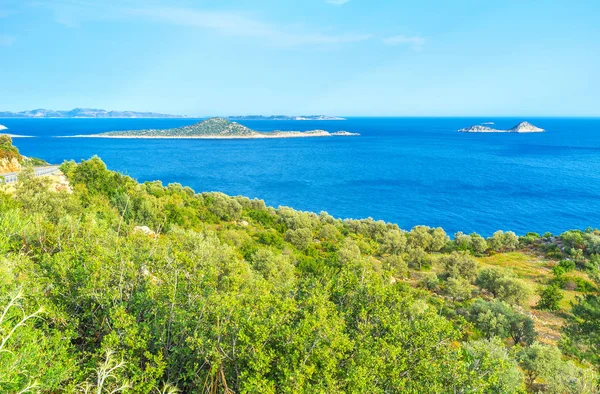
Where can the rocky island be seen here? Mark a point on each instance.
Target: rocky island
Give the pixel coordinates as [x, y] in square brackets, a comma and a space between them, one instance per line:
[523, 127]
[215, 128]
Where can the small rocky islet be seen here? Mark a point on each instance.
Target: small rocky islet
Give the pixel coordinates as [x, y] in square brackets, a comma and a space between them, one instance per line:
[216, 128]
[523, 127]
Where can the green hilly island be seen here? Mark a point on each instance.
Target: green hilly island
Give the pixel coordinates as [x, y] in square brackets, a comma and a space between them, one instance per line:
[215, 128]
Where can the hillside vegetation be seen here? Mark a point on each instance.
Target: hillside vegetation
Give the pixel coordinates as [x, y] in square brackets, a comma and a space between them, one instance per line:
[10, 158]
[209, 127]
[144, 288]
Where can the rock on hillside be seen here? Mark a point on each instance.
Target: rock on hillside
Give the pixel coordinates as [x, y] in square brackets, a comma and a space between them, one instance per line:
[10, 158]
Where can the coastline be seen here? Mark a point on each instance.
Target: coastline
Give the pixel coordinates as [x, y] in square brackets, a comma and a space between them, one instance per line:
[17, 135]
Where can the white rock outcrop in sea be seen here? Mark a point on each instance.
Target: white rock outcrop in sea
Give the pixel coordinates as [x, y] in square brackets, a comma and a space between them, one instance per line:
[523, 127]
[479, 129]
[2, 127]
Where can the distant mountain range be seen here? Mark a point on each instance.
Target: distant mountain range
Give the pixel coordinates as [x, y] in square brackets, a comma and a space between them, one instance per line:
[101, 113]
[83, 113]
[284, 117]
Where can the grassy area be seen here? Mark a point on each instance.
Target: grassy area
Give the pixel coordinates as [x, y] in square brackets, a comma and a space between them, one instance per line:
[536, 271]
[528, 267]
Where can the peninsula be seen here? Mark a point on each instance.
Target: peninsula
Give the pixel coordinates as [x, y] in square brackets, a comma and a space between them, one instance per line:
[83, 113]
[214, 128]
[523, 127]
[284, 117]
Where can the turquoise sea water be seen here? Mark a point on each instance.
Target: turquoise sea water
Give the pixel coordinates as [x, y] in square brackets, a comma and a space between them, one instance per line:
[404, 170]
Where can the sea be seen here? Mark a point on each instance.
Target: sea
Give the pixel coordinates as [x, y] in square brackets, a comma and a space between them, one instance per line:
[408, 171]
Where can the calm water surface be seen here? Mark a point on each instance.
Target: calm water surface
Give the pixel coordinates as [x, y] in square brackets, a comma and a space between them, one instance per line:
[404, 170]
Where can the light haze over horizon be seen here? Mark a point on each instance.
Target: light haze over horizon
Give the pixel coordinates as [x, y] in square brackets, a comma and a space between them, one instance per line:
[333, 57]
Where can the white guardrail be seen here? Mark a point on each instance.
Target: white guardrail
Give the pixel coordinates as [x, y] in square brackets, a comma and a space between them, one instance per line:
[12, 177]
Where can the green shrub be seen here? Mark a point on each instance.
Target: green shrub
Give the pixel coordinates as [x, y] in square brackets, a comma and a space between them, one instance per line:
[459, 265]
[529, 238]
[418, 259]
[498, 319]
[429, 280]
[396, 265]
[550, 298]
[458, 289]
[567, 265]
[503, 286]
[570, 282]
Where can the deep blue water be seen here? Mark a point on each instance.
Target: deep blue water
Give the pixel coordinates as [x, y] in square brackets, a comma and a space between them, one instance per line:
[404, 170]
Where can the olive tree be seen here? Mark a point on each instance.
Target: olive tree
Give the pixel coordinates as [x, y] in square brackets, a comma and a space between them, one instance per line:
[459, 265]
[494, 370]
[545, 362]
[503, 286]
[300, 238]
[503, 241]
[498, 319]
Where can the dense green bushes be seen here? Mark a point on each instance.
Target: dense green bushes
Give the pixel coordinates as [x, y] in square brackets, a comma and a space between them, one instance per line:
[229, 295]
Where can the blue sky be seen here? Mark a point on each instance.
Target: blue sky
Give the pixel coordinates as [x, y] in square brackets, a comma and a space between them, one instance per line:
[337, 57]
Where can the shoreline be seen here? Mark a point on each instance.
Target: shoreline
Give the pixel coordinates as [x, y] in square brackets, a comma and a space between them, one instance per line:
[17, 135]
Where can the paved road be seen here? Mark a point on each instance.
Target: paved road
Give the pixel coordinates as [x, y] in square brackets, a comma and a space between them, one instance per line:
[39, 171]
